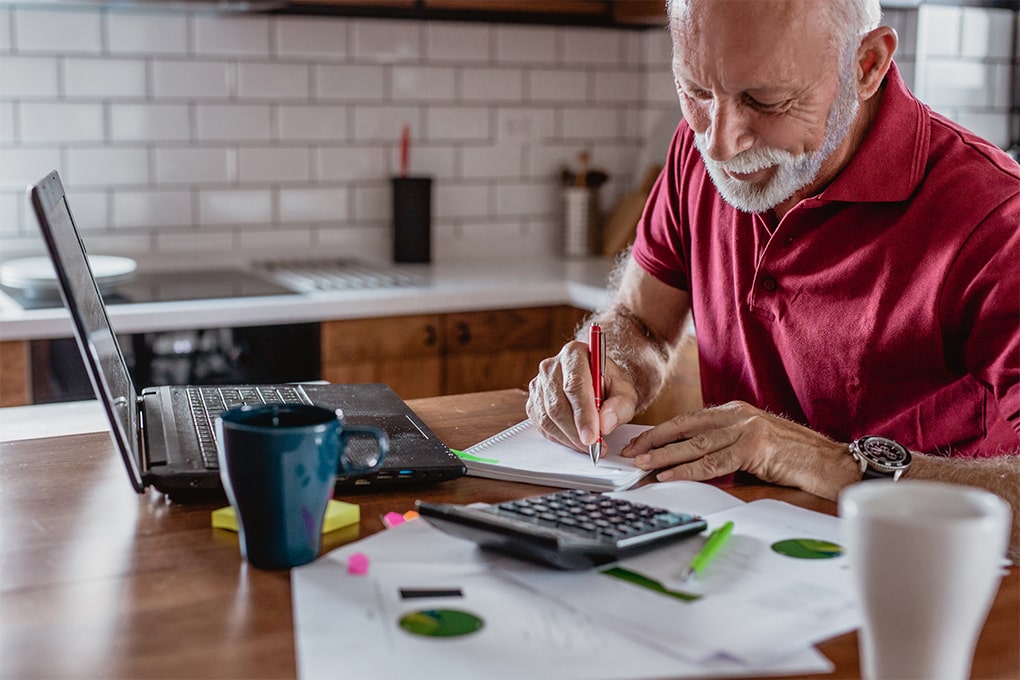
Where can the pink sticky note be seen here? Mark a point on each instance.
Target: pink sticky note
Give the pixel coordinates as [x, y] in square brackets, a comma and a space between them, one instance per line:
[357, 564]
[392, 519]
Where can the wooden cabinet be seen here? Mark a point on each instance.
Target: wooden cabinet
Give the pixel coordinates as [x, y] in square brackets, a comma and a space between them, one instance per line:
[405, 352]
[436, 354]
[650, 13]
[15, 385]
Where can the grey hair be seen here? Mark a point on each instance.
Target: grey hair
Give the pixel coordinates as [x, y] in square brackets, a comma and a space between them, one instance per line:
[849, 20]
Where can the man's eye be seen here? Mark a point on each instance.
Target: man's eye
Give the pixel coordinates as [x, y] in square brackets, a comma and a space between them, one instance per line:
[702, 95]
[768, 107]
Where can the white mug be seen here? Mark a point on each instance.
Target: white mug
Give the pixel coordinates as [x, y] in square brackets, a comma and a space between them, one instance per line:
[926, 559]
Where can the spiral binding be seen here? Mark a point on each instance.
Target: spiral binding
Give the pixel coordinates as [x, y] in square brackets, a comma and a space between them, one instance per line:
[501, 437]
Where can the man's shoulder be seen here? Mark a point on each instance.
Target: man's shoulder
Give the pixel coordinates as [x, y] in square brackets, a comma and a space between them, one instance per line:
[969, 158]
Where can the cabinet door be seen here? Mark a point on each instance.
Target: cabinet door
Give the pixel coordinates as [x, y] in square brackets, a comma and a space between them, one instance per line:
[15, 389]
[502, 348]
[403, 352]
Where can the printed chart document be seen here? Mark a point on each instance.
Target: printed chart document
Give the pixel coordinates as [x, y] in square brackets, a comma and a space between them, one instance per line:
[436, 606]
[781, 583]
[522, 454]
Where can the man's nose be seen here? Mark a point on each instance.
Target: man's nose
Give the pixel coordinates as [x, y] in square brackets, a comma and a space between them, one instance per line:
[729, 131]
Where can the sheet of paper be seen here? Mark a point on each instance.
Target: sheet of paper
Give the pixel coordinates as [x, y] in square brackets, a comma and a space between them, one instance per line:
[353, 622]
[757, 605]
[695, 498]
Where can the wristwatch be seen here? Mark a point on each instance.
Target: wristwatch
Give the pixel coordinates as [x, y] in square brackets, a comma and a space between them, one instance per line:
[880, 457]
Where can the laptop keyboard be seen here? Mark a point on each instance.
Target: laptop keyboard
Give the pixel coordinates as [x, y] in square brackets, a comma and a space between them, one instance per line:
[209, 402]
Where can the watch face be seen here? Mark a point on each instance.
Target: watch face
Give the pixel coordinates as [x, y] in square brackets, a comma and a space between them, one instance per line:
[884, 453]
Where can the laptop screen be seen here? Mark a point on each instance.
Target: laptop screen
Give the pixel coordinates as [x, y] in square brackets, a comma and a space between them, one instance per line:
[103, 359]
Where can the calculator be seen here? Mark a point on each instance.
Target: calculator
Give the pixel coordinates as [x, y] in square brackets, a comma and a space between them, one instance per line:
[569, 529]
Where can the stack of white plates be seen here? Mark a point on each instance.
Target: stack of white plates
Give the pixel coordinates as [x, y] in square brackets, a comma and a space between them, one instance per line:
[35, 275]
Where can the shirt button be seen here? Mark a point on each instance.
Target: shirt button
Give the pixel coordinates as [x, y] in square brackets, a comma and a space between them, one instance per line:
[768, 283]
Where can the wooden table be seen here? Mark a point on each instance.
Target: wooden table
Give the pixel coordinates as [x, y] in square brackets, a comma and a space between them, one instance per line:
[98, 582]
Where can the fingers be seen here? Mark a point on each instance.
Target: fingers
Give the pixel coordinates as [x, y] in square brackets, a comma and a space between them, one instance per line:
[717, 441]
[700, 445]
[561, 398]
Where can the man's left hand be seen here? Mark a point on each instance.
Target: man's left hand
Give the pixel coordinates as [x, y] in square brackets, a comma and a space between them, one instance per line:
[720, 440]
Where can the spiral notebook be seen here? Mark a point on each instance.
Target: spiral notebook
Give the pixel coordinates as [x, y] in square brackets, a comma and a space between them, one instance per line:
[521, 454]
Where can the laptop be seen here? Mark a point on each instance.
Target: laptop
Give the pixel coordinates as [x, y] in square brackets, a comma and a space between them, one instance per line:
[164, 433]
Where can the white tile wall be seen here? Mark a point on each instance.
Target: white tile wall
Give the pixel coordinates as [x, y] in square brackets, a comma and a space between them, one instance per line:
[276, 82]
[55, 30]
[59, 122]
[104, 78]
[184, 132]
[387, 41]
[311, 122]
[5, 28]
[191, 79]
[26, 77]
[7, 134]
[194, 166]
[241, 36]
[325, 204]
[215, 122]
[149, 122]
[148, 209]
[962, 67]
[310, 38]
[423, 83]
[462, 43]
[525, 44]
[134, 33]
[273, 164]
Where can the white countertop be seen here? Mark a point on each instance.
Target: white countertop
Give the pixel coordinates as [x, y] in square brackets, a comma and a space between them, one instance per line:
[447, 288]
[51, 420]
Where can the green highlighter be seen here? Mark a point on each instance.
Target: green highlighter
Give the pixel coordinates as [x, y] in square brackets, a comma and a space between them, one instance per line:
[716, 540]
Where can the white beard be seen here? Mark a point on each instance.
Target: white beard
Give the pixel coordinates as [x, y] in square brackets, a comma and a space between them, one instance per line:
[792, 172]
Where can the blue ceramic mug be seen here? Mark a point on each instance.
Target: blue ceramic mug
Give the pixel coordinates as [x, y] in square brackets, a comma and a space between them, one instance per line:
[278, 465]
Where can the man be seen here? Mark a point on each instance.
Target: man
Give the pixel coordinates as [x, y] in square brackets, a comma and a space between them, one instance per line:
[851, 260]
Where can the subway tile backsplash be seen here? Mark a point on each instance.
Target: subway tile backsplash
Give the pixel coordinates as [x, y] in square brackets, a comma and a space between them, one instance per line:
[182, 134]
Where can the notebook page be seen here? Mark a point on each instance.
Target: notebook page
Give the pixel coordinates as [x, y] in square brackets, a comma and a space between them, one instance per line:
[521, 453]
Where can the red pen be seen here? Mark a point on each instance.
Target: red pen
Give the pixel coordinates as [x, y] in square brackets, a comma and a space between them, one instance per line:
[597, 360]
[405, 150]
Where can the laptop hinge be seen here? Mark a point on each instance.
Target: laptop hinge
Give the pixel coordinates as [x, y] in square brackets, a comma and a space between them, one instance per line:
[142, 438]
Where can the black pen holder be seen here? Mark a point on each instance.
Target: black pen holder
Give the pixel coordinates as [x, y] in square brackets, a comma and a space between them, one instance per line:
[412, 219]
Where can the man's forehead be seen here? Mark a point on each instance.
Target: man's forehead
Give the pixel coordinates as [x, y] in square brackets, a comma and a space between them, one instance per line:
[740, 42]
[775, 19]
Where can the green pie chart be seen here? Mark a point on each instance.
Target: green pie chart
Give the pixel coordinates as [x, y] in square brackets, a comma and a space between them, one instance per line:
[440, 622]
[807, 549]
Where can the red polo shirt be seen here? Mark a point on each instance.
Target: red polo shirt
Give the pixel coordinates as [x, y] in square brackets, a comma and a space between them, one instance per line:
[888, 304]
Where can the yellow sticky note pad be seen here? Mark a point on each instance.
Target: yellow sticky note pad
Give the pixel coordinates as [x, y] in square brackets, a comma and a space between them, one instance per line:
[338, 514]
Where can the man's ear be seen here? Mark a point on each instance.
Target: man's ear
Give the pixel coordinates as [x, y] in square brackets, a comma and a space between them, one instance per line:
[874, 57]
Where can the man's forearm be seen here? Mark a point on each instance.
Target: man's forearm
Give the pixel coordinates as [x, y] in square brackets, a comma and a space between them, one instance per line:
[1000, 475]
[636, 349]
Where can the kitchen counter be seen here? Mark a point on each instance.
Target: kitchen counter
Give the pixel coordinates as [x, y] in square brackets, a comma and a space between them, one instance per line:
[446, 287]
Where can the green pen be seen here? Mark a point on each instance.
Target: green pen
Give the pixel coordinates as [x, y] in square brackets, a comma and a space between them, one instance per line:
[716, 540]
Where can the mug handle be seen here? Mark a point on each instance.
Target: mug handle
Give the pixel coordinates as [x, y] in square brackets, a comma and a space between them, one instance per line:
[348, 432]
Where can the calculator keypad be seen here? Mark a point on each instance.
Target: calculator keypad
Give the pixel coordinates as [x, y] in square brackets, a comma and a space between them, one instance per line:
[590, 515]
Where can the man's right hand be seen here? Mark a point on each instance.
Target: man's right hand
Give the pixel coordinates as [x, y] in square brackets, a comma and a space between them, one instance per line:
[561, 400]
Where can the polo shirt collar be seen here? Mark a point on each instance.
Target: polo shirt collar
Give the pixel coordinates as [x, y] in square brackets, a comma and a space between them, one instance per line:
[889, 165]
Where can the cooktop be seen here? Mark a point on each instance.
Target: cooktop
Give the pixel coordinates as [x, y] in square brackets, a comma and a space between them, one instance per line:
[164, 287]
